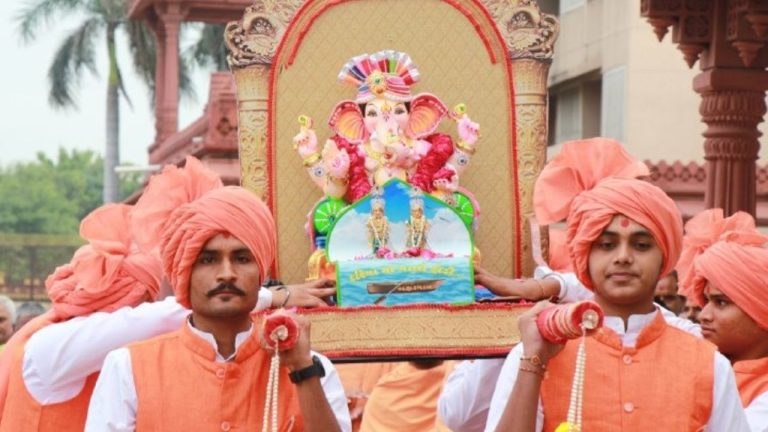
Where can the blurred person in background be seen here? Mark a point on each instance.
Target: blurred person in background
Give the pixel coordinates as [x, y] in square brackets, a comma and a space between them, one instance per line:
[666, 294]
[7, 319]
[26, 312]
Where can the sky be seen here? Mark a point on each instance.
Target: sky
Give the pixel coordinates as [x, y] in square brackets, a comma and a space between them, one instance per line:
[28, 124]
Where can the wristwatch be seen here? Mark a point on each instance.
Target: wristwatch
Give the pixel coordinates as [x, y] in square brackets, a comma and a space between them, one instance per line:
[316, 370]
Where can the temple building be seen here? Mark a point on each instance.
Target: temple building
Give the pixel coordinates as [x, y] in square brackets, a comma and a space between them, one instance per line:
[610, 76]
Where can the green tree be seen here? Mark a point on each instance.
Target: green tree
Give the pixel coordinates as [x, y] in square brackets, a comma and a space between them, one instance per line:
[48, 196]
[210, 50]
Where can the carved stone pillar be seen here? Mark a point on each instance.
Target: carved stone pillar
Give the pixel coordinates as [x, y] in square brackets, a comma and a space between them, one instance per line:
[252, 43]
[170, 16]
[530, 36]
[727, 38]
[731, 145]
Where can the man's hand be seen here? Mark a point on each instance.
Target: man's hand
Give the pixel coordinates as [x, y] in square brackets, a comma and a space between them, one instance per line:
[501, 286]
[298, 357]
[529, 289]
[306, 295]
[533, 342]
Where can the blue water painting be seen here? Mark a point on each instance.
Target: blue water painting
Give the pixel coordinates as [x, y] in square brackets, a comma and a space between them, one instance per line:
[389, 282]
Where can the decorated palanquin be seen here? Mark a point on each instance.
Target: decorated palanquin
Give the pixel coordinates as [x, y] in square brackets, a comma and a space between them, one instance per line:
[355, 129]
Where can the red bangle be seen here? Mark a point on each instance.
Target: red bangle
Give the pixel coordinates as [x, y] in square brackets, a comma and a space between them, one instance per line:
[533, 371]
[535, 360]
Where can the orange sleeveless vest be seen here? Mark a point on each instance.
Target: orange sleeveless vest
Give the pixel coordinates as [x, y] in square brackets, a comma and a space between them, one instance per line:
[180, 387]
[751, 379]
[663, 384]
[23, 413]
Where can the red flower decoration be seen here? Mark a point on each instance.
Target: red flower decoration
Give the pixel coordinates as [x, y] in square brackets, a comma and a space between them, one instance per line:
[280, 331]
[559, 323]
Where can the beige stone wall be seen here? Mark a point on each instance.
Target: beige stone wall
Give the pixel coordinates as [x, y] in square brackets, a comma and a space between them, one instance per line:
[661, 109]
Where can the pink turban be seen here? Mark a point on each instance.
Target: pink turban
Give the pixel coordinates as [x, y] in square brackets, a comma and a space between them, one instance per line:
[578, 167]
[232, 210]
[642, 202]
[731, 255]
[107, 273]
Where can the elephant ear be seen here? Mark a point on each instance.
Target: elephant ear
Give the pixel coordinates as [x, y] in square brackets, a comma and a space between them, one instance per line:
[347, 121]
[426, 113]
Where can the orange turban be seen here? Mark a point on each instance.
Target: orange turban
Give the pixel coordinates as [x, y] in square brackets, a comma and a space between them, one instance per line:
[107, 273]
[559, 259]
[578, 167]
[166, 192]
[640, 201]
[231, 210]
[730, 254]
[591, 181]
[701, 232]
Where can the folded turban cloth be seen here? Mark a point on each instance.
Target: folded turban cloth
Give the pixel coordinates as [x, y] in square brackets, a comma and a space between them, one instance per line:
[559, 257]
[591, 181]
[107, 273]
[578, 167]
[701, 232]
[731, 255]
[232, 210]
[104, 275]
[166, 192]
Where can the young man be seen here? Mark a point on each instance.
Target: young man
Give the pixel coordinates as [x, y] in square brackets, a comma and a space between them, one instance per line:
[212, 374]
[624, 234]
[465, 402]
[101, 301]
[727, 272]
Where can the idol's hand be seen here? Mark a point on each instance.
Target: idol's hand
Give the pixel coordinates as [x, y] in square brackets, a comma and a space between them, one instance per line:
[306, 295]
[468, 130]
[306, 143]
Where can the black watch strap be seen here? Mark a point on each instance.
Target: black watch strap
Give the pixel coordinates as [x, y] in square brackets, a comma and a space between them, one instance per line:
[316, 370]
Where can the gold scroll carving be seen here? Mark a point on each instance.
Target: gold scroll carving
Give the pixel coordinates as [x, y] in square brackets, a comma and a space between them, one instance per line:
[530, 36]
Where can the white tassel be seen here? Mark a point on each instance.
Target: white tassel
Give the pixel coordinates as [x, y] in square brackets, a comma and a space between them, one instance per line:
[270, 401]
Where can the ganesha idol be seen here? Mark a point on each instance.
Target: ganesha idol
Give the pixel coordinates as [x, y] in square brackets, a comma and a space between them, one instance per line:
[394, 226]
[385, 133]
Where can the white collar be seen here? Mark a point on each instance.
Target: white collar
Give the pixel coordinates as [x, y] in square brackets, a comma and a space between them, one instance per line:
[239, 339]
[635, 325]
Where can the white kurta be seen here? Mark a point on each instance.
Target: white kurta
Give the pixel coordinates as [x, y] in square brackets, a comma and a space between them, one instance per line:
[727, 412]
[114, 402]
[757, 414]
[59, 357]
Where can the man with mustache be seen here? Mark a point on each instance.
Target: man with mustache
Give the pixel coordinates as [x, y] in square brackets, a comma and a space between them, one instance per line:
[724, 266]
[623, 234]
[212, 373]
[102, 300]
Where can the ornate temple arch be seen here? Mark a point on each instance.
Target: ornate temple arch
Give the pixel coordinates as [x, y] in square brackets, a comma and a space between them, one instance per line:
[493, 55]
